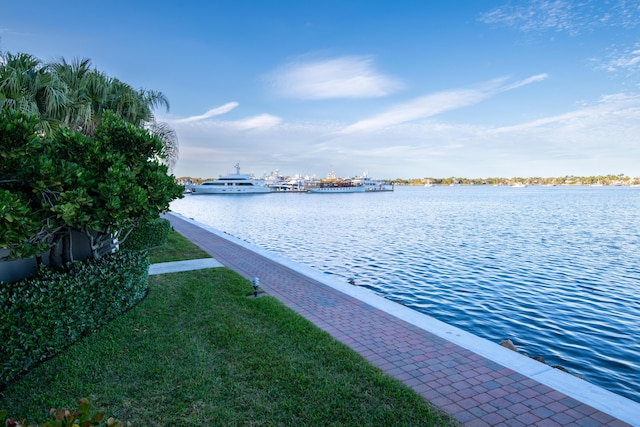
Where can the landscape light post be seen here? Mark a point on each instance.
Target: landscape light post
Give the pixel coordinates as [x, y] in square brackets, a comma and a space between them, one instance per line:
[256, 285]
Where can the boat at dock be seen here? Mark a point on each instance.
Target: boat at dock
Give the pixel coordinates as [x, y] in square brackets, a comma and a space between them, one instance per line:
[296, 184]
[337, 186]
[236, 183]
[333, 185]
[373, 184]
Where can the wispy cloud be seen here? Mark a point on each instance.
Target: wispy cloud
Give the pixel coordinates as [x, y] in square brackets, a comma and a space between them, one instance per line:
[263, 121]
[609, 109]
[196, 124]
[407, 140]
[223, 109]
[344, 77]
[524, 82]
[536, 15]
[11, 31]
[563, 15]
[626, 61]
[595, 138]
[433, 104]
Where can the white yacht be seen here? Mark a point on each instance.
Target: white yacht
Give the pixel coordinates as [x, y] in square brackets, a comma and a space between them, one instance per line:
[297, 184]
[372, 184]
[338, 186]
[236, 183]
[331, 184]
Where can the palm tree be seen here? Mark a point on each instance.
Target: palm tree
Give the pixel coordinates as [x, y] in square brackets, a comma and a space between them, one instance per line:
[169, 140]
[73, 95]
[91, 92]
[136, 107]
[26, 85]
[77, 113]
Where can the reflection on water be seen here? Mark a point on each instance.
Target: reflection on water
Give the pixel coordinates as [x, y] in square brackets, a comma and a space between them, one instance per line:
[555, 269]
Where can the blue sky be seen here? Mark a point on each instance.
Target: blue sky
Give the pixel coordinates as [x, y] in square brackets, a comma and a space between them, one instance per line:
[406, 89]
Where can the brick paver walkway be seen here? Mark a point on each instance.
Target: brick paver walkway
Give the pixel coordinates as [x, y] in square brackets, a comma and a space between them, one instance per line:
[473, 389]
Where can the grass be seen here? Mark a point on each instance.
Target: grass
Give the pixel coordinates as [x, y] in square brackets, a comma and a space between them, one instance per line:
[198, 351]
[177, 248]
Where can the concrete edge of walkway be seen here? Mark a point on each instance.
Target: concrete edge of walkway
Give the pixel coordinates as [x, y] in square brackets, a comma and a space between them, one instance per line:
[188, 265]
[595, 396]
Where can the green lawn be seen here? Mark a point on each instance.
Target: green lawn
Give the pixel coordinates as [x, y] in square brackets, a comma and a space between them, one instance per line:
[177, 249]
[198, 350]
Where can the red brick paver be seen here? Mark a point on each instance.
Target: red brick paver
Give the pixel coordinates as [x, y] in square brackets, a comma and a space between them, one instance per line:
[474, 390]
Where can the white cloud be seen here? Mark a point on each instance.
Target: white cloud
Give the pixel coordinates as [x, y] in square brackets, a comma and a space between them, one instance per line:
[537, 16]
[422, 107]
[263, 121]
[627, 61]
[524, 82]
[229, 128]
[599, 138]
[223, 109]
[533, 16]
[610, 109]
[430, 105]
[344, 77]
[12, 31]
[591, 139]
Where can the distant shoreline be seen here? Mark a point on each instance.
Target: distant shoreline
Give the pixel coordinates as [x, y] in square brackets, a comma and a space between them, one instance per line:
[569, 180]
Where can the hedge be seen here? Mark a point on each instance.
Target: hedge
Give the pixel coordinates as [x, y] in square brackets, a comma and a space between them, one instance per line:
[146, 236]
[44, 314]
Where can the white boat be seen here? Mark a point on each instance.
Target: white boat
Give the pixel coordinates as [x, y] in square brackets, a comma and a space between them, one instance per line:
[331, 184]
[290, 186]
[372, 184]
[519, 185]
[338, 186]
[236, 183]
[297, 184]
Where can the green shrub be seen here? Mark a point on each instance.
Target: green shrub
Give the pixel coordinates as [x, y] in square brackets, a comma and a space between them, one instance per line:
[44, 314]
[106, 183]
[149, 235]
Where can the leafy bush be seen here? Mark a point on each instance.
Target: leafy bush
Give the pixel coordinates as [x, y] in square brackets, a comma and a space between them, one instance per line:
[146, 236]
[102, 185]
[20, 218]
[19, 225]
[81, 417]
[44, 314]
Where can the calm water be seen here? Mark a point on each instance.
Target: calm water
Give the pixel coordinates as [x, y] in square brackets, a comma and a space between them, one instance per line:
[555, 269]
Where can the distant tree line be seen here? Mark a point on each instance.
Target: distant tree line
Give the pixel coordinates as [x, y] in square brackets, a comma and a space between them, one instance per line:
[619, 179]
